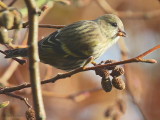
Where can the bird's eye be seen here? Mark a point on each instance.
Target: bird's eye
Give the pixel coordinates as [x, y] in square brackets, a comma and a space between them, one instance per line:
[114, 24]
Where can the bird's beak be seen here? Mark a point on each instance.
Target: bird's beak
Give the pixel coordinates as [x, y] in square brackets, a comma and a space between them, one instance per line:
[121, 33]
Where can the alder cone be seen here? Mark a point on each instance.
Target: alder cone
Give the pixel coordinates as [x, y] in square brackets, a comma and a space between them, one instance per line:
[118, 83]
[106, 84]
[117, 71]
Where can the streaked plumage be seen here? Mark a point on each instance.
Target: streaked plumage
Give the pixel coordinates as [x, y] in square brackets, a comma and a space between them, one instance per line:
[68, 48]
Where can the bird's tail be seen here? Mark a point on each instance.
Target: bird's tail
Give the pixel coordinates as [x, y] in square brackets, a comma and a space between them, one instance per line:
[20, 52]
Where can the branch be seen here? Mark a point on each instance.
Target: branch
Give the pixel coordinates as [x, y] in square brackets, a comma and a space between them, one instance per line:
[13, 65]
[127, 14]
[12, 2]
[33, 14]
[69, 74]
[25, 25]
[20, 98]
[51, 26]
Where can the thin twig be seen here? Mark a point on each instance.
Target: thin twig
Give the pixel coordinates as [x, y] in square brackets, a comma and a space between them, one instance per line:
[33, 14]
[69, 74]
[51, 26]
[13, 65]
[25, 25]
[20, 98]
[149, 51]
[12, 2]
[44, 8]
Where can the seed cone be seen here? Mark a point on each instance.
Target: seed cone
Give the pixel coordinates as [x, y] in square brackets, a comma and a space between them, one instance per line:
[117, 71]
[30, 114]
[118, 83]
[110, 67]
[102, 72]
[106, 84]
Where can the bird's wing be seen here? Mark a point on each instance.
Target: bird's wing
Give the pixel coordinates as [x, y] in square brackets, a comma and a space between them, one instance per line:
[79, 38]
[73, 40]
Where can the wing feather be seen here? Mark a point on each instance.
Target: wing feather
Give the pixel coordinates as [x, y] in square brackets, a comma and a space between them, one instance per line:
[75, 40]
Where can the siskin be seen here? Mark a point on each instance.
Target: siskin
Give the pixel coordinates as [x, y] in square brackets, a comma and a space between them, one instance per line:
[69, 48]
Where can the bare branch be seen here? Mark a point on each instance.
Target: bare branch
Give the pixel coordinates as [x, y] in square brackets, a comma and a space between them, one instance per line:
[25, 25]
[12, 2]
[20, 98]
[33, 14]
[69, 74]
[51, 26]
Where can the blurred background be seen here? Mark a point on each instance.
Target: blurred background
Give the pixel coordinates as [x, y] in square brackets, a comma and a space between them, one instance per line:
[80, 97]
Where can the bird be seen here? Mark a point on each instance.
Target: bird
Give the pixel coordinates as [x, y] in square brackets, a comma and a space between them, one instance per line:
[70, 47]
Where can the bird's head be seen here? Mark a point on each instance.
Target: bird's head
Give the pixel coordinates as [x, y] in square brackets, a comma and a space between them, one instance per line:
[111, 26]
